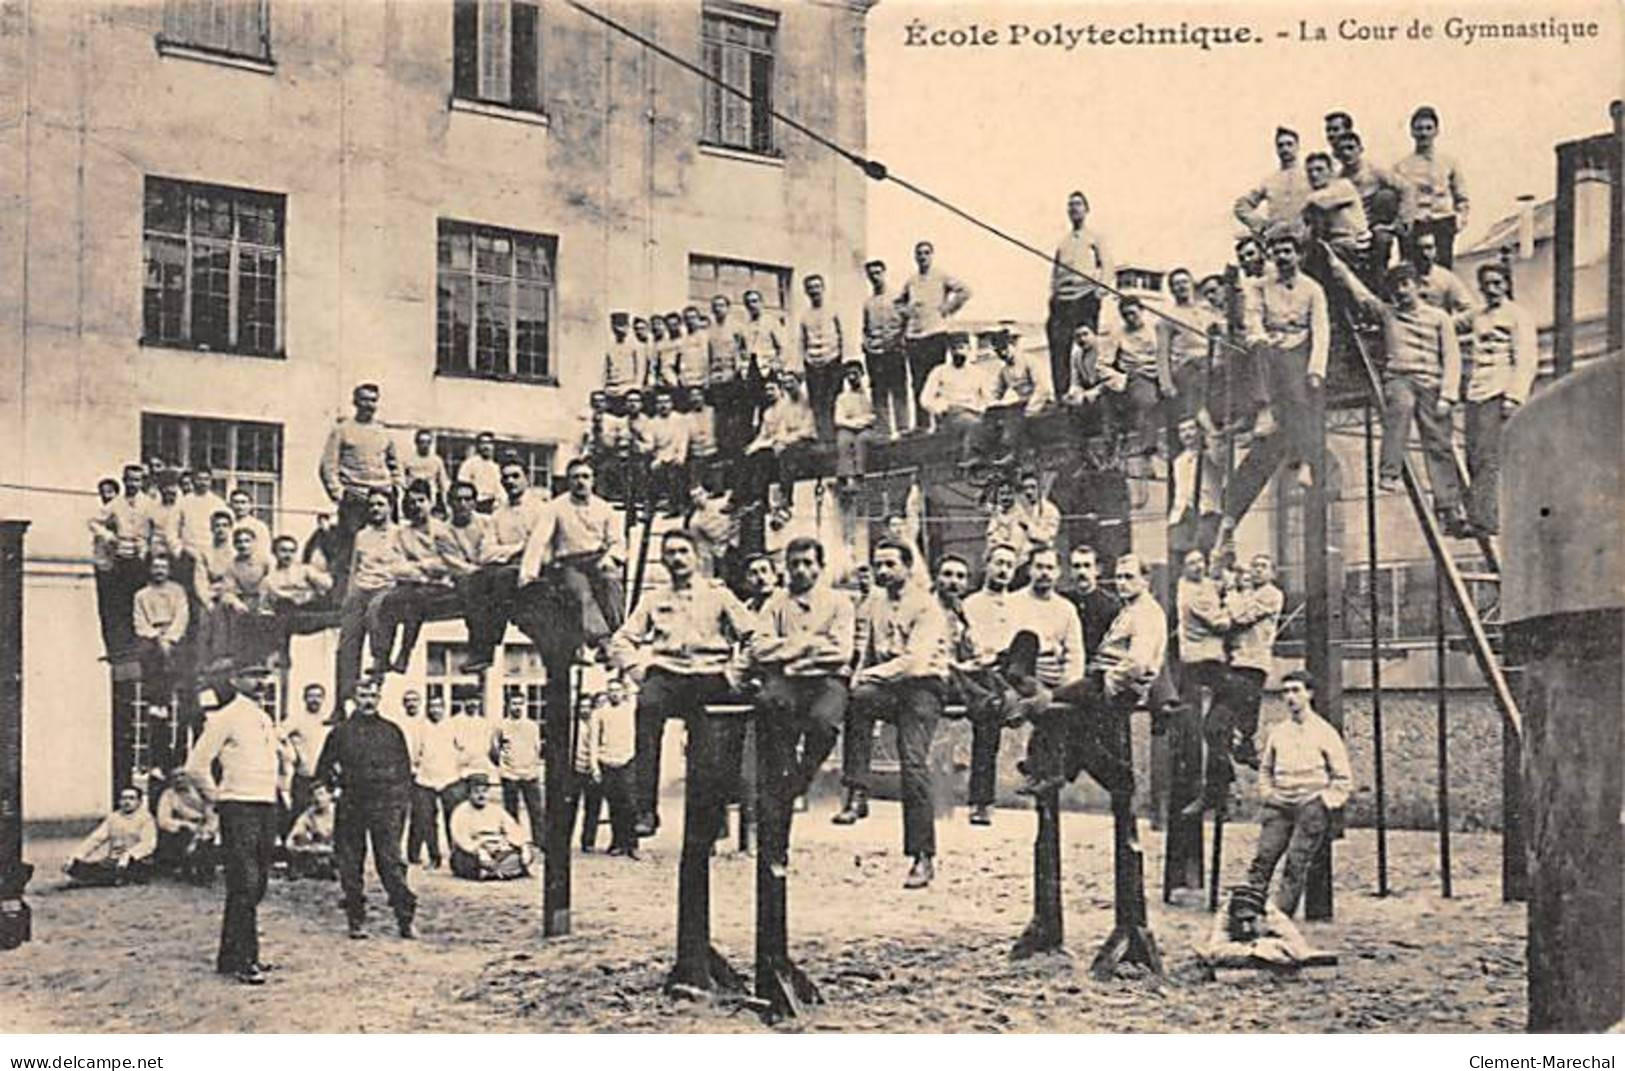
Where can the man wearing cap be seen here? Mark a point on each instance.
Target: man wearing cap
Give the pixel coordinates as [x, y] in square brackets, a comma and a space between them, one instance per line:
[1020, 389]
[487, 843]
[241, 738]
[368, 758]
[883, 351]
[623, 364]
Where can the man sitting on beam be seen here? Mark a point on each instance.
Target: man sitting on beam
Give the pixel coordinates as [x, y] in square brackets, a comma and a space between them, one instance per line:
[805, 647]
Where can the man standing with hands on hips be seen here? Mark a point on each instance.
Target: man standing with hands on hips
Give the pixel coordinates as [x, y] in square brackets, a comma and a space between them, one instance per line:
[240, 736]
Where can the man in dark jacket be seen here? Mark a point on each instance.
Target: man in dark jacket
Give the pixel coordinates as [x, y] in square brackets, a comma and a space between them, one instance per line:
[367, 758]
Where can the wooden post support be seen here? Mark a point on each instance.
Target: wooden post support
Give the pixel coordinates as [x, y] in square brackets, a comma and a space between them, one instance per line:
[1323, 607]
[782, 987]
[1046, 931]
[15, 924]
[1182, 844]
[560, 715]
[1374, 612]
[1443, 735]
[1130, 940]
[700, 968]
[1217, 864]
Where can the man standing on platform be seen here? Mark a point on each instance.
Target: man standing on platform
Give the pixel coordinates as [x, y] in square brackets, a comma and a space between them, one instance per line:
[482, 470]
[376, 561]
[928, 299]
[422, 589]
[1505, 360]
[805, 647]
[518, 744]
[676, 648]
[359, 459]
[1081, 262]
[1291, 327]
[1441, 188]
[902, 678]
[883, 351]
[368, 758]
[823, 350]
[241, 737]
[1283, 190]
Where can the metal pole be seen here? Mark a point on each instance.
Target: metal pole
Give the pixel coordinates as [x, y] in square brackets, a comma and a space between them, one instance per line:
[1616, 231]
[1374, 608]
[15, 927]
[1563, 263]
[1444, 738]
[1322, 631]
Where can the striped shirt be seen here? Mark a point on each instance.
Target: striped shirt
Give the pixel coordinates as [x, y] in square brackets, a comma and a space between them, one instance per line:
[992, 620]
[1290, 314]
[882, 325]
[1302, 760]
[1254, 614]
[1441, 188]
[1078, 254]
[821, 341]
[928, 300]
[1421, 343]
[763, 342]
[822, 617]
[1055, 622]
[1284, 190]
[723, 354]
[906, 636]
[623, 366]
[1505, 354]
[1133, 351]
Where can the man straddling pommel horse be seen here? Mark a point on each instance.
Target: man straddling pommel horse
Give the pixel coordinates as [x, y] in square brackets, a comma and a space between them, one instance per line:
[904, 673]
[676, 648]
[1119, 677]
[805, 648]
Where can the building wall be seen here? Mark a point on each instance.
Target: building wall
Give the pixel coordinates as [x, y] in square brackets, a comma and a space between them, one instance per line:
[354, 127]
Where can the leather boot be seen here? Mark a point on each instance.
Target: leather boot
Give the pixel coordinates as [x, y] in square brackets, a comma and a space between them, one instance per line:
[857, 806]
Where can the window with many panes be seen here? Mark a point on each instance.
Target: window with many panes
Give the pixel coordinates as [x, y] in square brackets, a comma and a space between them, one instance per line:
[213, 259]
[496, 52]
[455, 446]
[522, 674]
[736, 47]
[494, 303]
[445, 677]
[230, 27]
[242, 454]
[709, 276]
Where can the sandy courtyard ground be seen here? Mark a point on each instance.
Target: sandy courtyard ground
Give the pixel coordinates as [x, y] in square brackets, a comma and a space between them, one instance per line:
[138, 960]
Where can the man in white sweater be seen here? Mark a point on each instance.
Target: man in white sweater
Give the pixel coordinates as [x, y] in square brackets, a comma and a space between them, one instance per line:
[1303, 776]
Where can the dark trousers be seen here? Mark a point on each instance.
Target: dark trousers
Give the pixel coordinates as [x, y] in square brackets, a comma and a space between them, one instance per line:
[106, 873]
[1092, 738]
[1064, 318]
[914, 706]
[675, 695]
[378, 817]
[354, 614]
[128, 576]
[924, 354]
[352, 517]
[823, 384]
[1217, 772]
[616, 790]
[1240, 694]
[888, 387]
[530, 791]
[113, 633]
[299, 795]
[1484, 463]
[589, 796]
[450, 797]
[799, 720]
[1296, 831]
[670, 481]
[1294, 437]
[424, 832]
[590, 596]
[1406, 398]
[162, 672]
[488, 597]
[734, 407]
[247, 841]
[1444, 234]
[404, 608]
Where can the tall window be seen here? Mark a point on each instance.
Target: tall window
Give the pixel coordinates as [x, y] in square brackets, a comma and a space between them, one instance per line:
[496, 52]
[213, 259]
[445, 677]
[453, 447]
[494, 303]
[522, 674]
[709, 276]
[232, 27]
[240, 453]
[736, 44]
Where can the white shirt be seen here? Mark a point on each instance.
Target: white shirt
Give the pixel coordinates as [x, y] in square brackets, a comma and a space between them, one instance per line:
[473, 738]
[242, 737]
[437, 762]
[1055, 621]
[486, 476]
